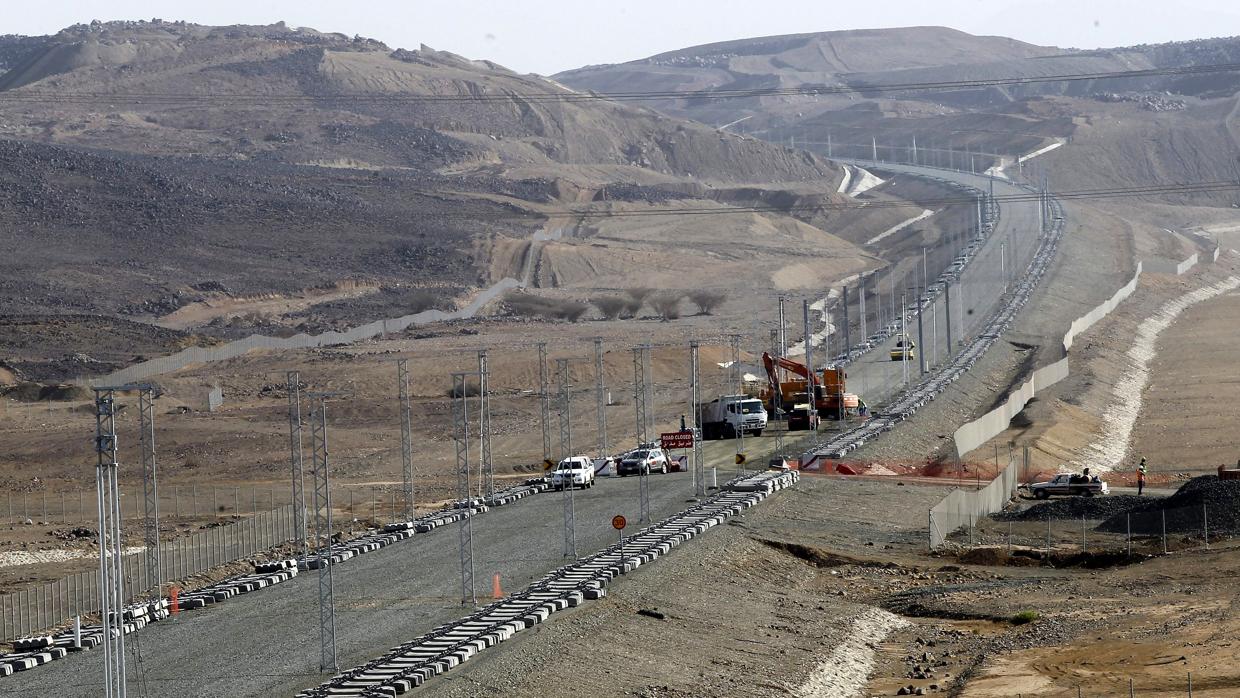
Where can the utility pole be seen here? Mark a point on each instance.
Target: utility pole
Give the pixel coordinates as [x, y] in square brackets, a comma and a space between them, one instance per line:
[323, 533]
[297, 451]
[111, 567]
[809, 339]
[641, 393]
[600, 398]
[947, 305]
[734, 343]
[847, 327]
[695, 402]
[904, 335]
[406, 440]
[486, 472]
[783, 327]
[921, 336]
[150, 486]
[874, 149]
[566, 452]
[1003, 263]
[465, 531]
[544, 396]
[864, 333]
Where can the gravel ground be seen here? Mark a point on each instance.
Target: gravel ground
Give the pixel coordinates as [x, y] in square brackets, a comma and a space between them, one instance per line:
[741, 617]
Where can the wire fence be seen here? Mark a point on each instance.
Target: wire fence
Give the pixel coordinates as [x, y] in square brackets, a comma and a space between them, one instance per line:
[46, 605]
[266, 524]
[1131, 688]
[1148, 530]
[191, 502]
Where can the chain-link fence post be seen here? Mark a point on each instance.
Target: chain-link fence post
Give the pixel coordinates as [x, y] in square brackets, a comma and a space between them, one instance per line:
[1164, 531]
[1205, 524]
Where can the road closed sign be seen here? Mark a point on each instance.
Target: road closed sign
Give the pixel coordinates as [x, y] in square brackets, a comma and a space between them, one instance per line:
[677, 439]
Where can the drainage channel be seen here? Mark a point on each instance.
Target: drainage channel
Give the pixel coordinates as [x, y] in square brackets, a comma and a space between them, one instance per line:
[411, 664]
[904, 405]
[30, 652]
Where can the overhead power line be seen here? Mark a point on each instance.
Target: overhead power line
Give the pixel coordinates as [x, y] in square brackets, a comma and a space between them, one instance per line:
[38, 96]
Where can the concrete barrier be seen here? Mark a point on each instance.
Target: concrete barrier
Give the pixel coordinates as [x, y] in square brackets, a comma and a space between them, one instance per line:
[963, 507]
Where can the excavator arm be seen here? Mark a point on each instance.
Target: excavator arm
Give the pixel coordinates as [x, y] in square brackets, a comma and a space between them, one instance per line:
[771, 362]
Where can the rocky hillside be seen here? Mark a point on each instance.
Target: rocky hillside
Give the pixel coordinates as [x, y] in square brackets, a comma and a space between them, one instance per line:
[266, 159]
[299, 96]
[1004, 119]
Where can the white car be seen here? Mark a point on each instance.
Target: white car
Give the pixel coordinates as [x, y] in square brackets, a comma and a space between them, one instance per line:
[576, 471]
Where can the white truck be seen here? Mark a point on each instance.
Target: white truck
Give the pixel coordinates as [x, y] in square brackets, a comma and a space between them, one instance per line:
[725, 417]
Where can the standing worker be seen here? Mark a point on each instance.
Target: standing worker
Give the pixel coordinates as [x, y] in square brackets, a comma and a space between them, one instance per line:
[1141, 477]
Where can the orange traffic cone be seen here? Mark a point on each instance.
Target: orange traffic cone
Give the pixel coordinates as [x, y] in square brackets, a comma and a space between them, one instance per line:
[496, 592]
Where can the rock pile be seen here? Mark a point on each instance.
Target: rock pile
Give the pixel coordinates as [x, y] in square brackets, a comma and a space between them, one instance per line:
[1199, 502]
[1092, 508]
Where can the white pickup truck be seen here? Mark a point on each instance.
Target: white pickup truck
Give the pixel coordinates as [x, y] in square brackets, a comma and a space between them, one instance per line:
[1069, 485]
[576, 472]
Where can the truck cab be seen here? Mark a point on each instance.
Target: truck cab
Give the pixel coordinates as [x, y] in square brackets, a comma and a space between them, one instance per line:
[726, 417]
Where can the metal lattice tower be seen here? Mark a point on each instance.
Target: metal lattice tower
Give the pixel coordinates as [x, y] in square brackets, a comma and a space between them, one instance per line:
[641, 399]
[566, 451]
[460, 435]
[111, 569]
[150, 486]
[406, 440]
[323, 535]
[600, 397]
[297, 453]
[639, 393]
[734, 345]
[544, 397]
[695, 401]
[486, 473]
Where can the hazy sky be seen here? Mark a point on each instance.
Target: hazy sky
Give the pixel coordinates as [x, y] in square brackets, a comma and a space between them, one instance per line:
[546, 36]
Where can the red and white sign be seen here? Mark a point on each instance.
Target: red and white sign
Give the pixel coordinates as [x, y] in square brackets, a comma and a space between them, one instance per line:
[677, 439]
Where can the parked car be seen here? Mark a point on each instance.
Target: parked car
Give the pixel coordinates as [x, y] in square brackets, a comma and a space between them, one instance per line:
[1068, 484]
[577, 470]
[643, 460]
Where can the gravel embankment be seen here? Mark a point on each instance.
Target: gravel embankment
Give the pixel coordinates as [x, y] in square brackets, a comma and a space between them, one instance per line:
[1199, 501]
[1093, 508]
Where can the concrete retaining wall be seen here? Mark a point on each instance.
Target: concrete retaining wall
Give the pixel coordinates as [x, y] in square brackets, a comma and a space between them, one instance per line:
[963, 507]
[979, 431]
[1169, 266]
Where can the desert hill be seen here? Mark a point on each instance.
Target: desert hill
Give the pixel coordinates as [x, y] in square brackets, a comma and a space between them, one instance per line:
[266, 178]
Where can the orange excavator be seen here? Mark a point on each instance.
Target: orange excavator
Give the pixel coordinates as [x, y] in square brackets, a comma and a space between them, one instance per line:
[831, 400]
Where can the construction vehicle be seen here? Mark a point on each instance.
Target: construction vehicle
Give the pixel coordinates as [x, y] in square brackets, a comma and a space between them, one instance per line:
[725, 417]
[904, 349]
[831, 400]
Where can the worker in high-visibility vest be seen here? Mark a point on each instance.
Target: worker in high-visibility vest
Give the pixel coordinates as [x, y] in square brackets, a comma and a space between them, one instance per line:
[1141, 477]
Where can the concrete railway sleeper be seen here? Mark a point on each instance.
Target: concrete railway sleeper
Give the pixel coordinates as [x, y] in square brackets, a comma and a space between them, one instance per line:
[411, 664]
[30, 652]
[904, 405]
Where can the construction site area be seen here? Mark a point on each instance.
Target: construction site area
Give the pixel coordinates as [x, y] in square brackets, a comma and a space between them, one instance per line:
[847, 364]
